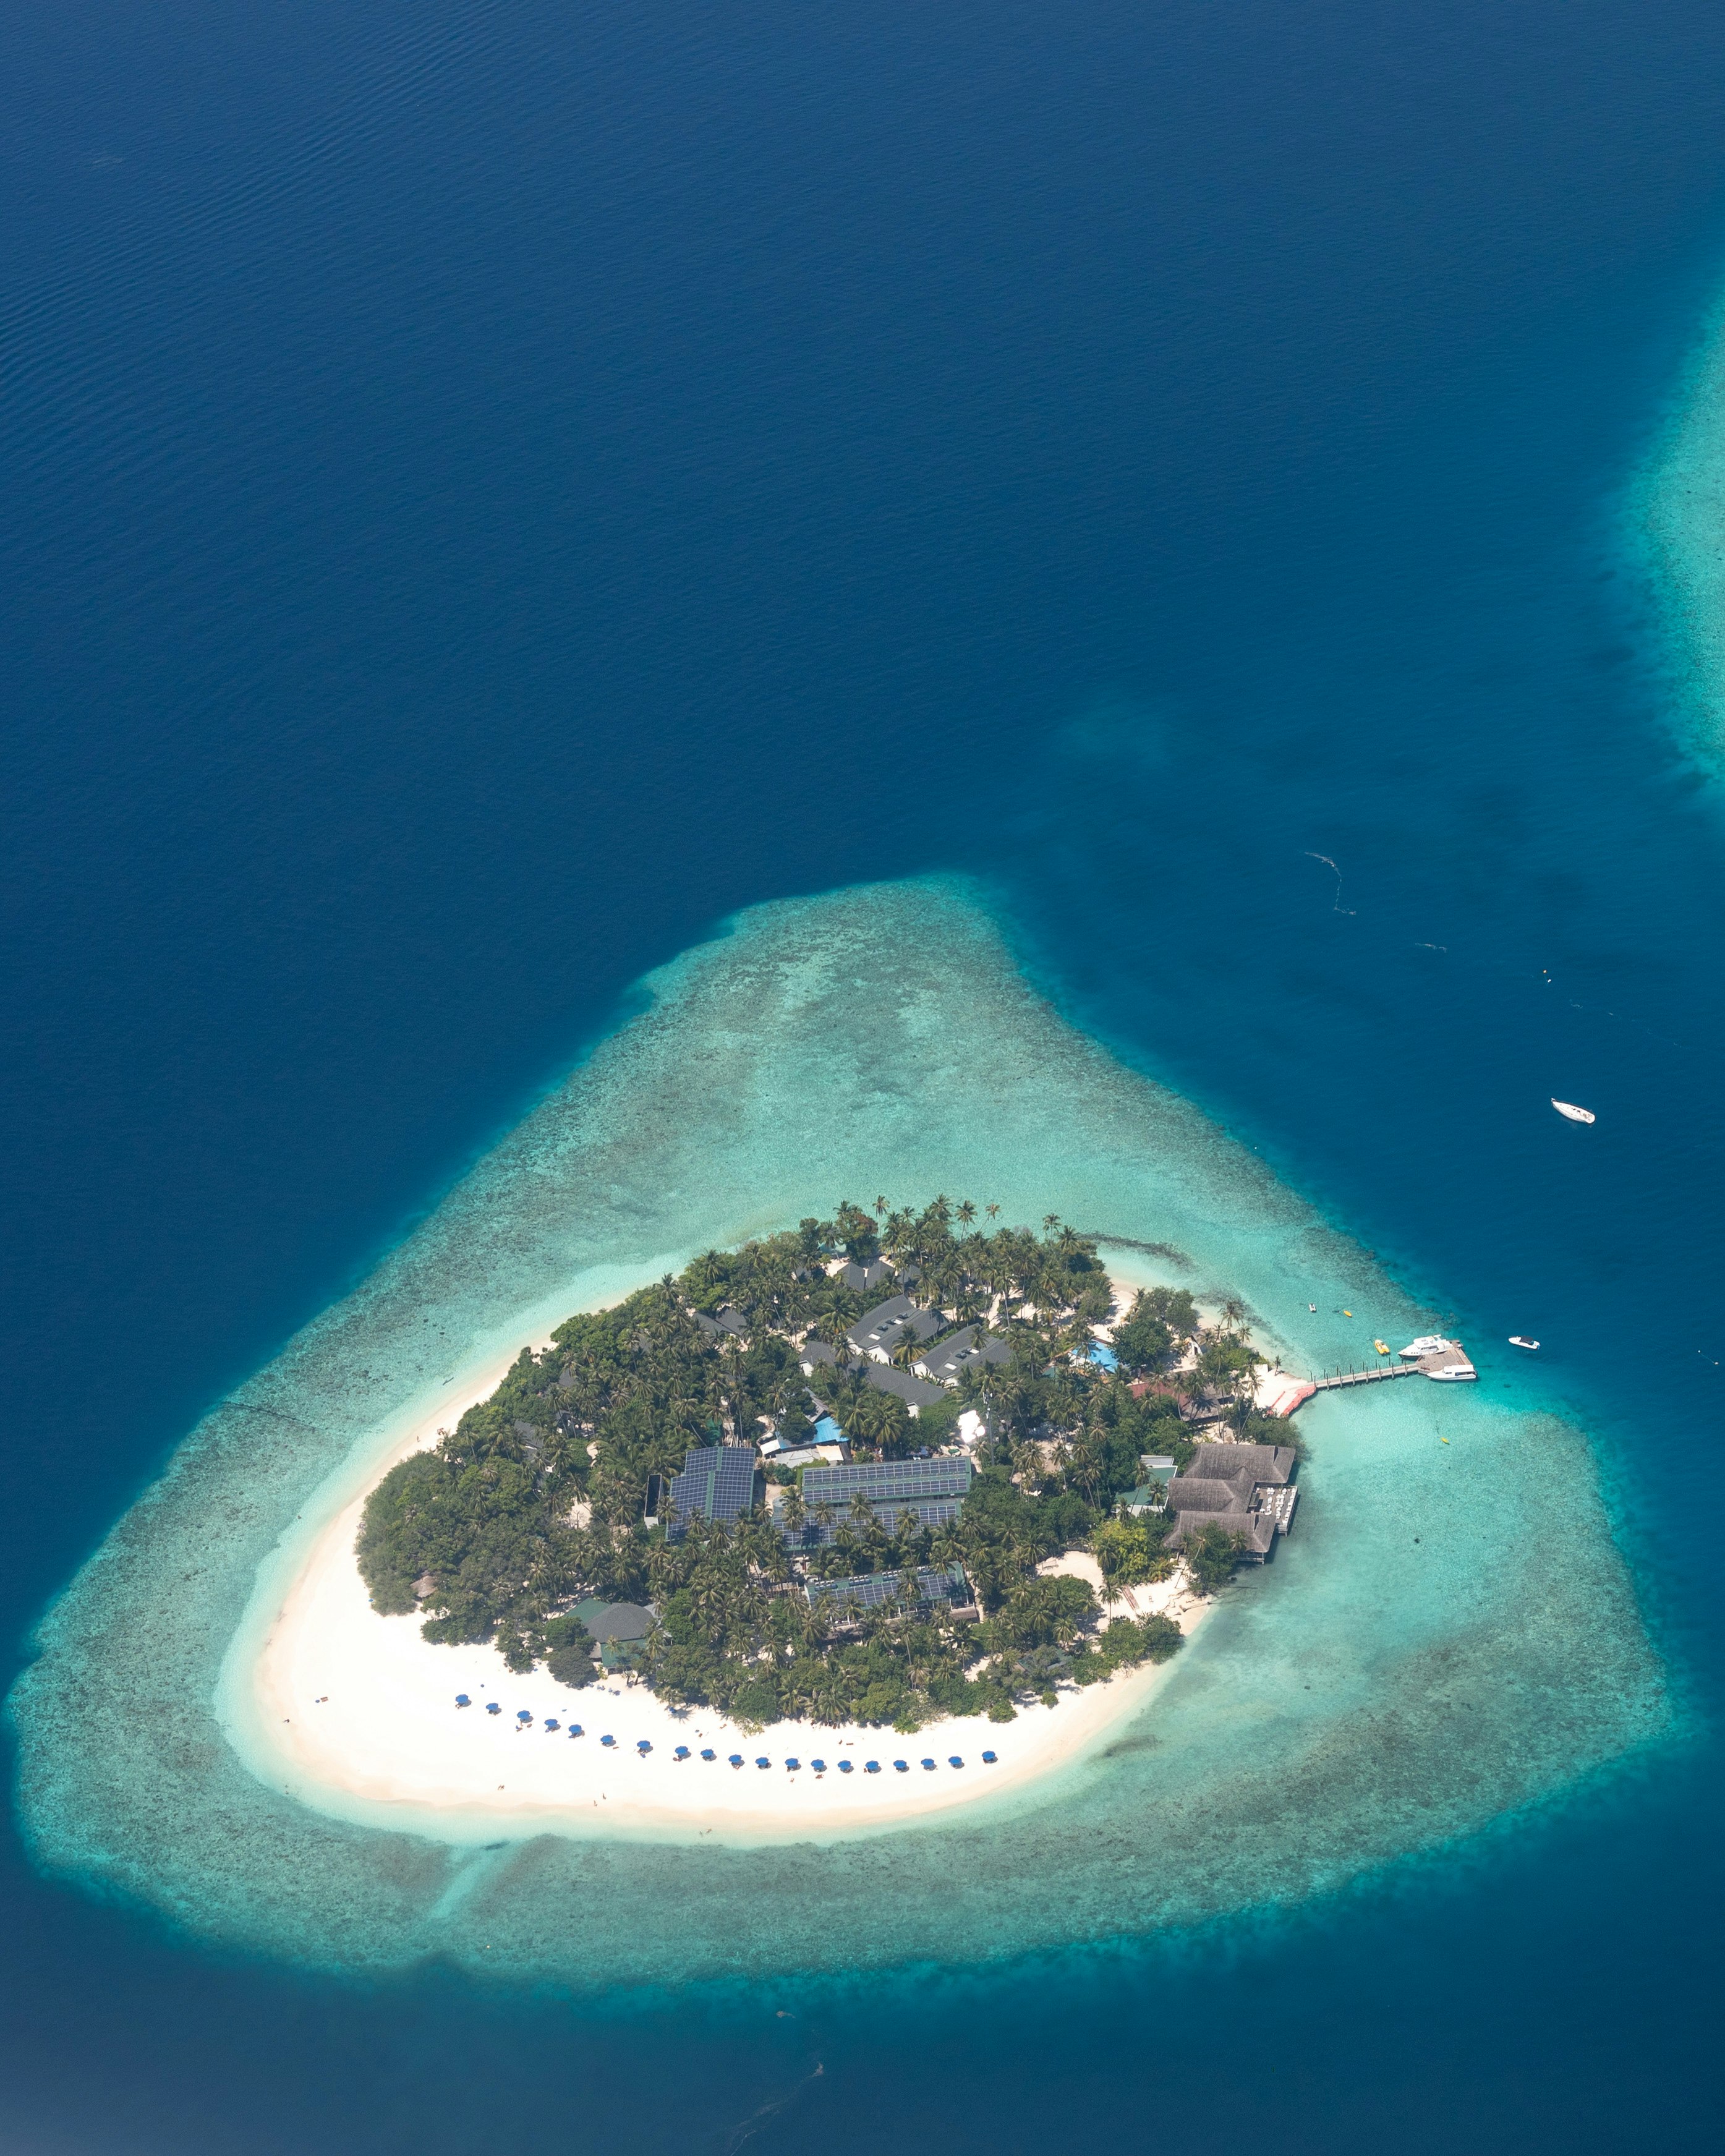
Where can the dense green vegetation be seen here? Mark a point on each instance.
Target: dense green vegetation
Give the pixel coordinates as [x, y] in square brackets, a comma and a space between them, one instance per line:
[536, 1501]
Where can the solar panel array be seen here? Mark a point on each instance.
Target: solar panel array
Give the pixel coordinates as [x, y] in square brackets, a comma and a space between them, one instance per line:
[877, 1590]
[718, 1482]
[932, 1490]
[878, 1479]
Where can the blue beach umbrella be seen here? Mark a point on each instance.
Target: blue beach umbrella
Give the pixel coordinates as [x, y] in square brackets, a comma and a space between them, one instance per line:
[462, 1700]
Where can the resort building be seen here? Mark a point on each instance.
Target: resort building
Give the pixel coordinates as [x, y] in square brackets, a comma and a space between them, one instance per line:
[880, 1590]
[877, 1333]
[1245, 1490]
[865, 1280]
[1150, 1495]
[804, 1455]
[969, 1348]
[718, 1482]
[618, 1630]
[884, 1490]
[916, 1393]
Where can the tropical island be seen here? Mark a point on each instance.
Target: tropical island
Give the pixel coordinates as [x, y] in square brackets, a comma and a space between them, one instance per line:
[855, 1473]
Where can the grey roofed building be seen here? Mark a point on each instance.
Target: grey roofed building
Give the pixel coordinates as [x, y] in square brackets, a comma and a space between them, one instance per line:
[879, 1591]
[728, 1319]
[883, 1512]
[968, 1348]
[879, 1330]
[1245, 1489]
[864, 1279]
[609, 1622]
[817, 1354]
[945, 1477]
[916, 1393]
[718, 1482]
[932, 1490]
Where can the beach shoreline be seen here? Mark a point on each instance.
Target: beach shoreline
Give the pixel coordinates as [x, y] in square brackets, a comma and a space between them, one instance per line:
[354, 1713]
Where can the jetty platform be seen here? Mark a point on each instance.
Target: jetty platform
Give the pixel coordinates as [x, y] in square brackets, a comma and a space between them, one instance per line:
[1380, 1372]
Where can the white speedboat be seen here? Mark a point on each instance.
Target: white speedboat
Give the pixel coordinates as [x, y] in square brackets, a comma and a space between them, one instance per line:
[1458, 1372]
[1521, 1340]
[1427, 1343]
[1575, 1115]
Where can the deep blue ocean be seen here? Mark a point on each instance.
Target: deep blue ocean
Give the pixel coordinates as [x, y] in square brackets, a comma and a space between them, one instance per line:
[485, 491]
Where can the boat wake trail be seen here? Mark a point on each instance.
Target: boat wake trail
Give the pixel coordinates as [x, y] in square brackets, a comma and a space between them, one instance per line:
[756, 2119]
[1337, 907]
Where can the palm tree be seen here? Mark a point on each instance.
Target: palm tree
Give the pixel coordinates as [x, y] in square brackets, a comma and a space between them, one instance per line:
[1050, 1221]
[993, 1211]
[880, 1207]
[967, 1212]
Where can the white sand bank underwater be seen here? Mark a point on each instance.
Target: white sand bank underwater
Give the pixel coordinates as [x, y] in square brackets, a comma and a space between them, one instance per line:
[1676, 528]
[1449, 1634]
[355, 1713]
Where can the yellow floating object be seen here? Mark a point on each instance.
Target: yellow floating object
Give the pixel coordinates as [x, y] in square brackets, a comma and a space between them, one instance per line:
[1443, 1440]
[1347, 1313]
[1382, 1346]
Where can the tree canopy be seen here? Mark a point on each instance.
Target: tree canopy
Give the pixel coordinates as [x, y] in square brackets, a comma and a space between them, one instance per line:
[536, 1500]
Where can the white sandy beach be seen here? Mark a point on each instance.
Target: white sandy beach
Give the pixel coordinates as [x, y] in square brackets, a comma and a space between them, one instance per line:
[355, 1712]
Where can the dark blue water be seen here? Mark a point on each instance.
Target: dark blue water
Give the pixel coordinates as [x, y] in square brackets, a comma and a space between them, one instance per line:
[487, 490]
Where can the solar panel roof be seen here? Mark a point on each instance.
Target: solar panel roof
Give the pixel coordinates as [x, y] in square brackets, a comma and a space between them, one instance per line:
[718, 1482]
[878, 1479]
[876, 1590]
[928, 1512]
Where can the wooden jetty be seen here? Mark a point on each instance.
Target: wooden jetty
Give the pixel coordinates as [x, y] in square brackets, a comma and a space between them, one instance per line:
[1377, 1373]
[1373, 1374]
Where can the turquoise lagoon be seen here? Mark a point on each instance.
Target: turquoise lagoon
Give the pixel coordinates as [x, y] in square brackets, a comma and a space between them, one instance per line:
[1437, 1645]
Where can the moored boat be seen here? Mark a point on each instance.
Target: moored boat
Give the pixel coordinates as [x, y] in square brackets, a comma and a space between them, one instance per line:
[1521, 1340]
[1427, 1343]
[1575, 1115]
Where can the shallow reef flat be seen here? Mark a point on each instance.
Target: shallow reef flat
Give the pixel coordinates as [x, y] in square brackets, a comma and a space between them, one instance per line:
[1451, 1633]
[1677, 515]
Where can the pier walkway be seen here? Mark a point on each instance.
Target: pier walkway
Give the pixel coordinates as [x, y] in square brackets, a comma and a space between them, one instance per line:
[1373, 1374]
[1452, 1356]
